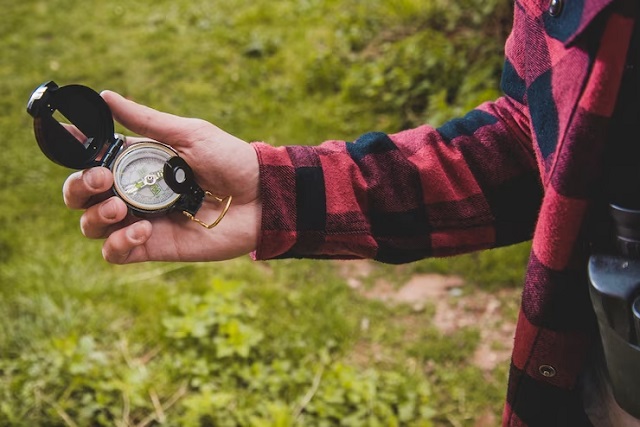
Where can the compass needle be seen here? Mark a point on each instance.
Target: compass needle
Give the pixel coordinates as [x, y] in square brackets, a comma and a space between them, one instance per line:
[148, 180]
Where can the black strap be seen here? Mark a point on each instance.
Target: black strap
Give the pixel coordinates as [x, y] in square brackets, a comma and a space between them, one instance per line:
[621, 163]
[623, 157]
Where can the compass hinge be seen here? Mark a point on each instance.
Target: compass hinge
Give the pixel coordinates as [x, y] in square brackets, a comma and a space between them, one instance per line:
[113, 150]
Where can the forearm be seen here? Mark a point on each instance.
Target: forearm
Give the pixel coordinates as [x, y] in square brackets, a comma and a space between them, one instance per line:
[468, 185]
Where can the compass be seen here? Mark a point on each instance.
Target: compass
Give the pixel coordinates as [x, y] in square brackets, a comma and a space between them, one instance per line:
[138, 177]
[150, 177]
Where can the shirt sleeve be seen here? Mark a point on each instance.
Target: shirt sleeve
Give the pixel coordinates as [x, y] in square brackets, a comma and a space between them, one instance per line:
[470, 184]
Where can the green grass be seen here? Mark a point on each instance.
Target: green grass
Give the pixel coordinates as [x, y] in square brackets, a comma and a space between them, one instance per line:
[280, 343]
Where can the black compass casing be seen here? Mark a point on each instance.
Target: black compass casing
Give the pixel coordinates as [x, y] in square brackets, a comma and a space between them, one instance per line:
[87, 111]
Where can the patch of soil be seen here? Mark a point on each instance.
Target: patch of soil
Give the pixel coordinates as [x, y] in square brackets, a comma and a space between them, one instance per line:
[454, 308]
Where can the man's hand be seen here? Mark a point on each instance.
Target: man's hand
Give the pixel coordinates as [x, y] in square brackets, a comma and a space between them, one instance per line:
[223, 165]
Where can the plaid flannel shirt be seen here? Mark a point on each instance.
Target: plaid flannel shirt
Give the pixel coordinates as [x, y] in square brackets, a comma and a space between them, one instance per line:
[522, 167]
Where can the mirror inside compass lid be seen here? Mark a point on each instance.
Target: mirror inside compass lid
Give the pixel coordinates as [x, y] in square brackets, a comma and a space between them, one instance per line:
[83, 108]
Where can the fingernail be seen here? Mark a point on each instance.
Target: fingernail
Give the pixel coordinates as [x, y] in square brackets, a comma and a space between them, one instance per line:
[108, 210]
[94, 178]
[136, 232]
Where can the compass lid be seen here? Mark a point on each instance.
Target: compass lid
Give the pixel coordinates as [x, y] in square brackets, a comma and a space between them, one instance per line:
[84, 109]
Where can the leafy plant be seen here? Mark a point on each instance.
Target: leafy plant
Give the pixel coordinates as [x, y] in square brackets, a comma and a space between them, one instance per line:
[238, 343]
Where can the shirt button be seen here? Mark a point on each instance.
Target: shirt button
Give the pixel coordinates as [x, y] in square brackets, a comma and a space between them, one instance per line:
[555, 7]
[547, 371]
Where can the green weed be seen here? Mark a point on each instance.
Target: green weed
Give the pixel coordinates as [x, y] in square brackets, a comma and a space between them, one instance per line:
[281, 343]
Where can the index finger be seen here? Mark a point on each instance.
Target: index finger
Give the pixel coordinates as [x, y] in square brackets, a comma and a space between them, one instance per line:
[84, 188]
[146, 121]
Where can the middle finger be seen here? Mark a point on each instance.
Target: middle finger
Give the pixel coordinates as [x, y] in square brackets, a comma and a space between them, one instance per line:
[99, 220]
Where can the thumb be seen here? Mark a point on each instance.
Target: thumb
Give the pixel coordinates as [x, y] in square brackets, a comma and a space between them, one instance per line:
[146, 121]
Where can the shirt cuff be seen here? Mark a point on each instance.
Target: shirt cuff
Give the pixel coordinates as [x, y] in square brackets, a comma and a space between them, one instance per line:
[277, 191]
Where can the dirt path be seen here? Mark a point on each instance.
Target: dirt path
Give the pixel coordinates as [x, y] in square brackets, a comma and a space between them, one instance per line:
[455, 307]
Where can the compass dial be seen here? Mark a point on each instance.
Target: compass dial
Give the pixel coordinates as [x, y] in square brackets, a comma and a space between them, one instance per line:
[139, 178]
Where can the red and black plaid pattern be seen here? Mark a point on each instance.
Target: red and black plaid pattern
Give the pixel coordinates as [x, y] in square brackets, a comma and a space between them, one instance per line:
[399, 198]
[525, 166]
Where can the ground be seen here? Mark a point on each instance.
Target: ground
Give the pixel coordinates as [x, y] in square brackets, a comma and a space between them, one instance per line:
[455, 305]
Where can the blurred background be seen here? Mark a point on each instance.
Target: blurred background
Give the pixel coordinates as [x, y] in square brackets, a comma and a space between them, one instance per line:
[243, 343]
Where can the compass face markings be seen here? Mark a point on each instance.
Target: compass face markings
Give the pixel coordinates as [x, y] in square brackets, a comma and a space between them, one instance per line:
[138, 173]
